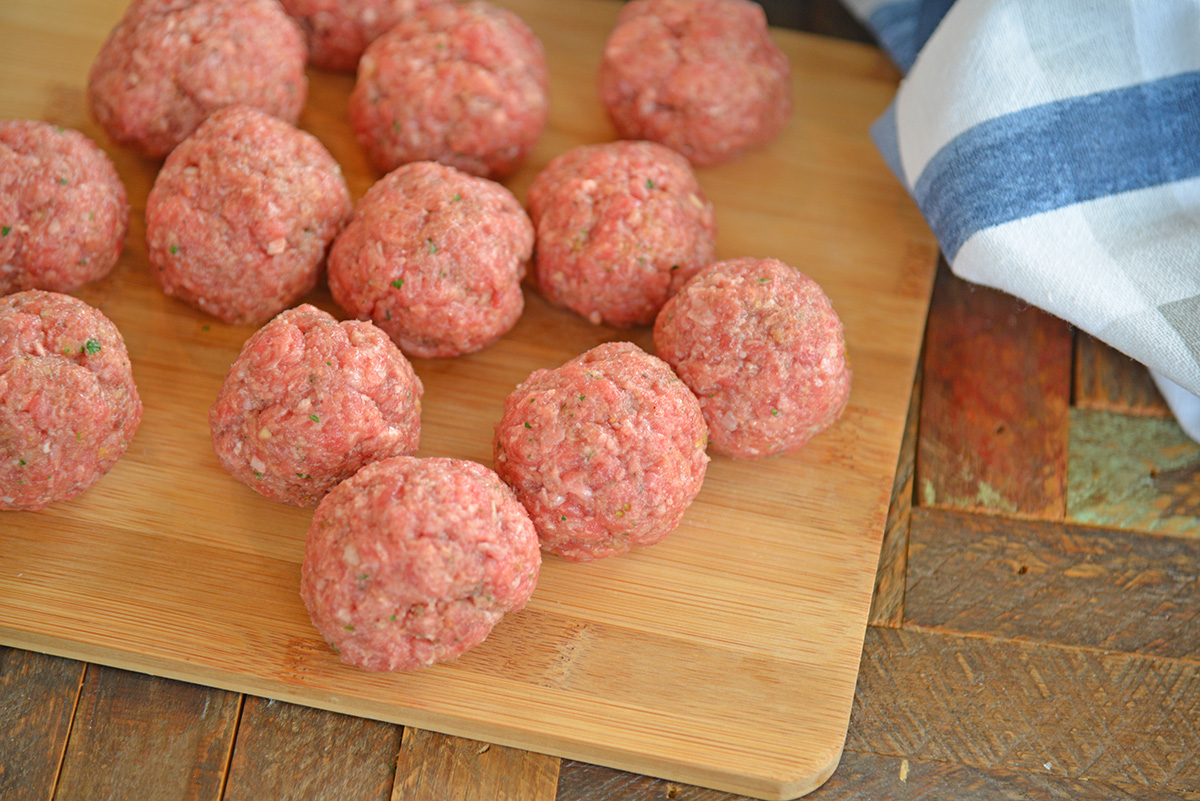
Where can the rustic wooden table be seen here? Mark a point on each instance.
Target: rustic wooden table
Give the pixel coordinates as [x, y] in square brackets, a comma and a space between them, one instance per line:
[1033, 632]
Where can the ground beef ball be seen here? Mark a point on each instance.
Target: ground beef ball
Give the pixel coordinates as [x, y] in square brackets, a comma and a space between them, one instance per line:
[762, 348]
[63, 209]
[309, 401]
[68, 404]
[414, 561]
[241, 214]
[435, 258]
[339, 30]
[700, 76]
[606, 452]
[620, 227]
[168, 64]
[460, 83]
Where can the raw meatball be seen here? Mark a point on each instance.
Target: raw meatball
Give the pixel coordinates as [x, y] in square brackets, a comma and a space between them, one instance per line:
[435, 258]
[762, 348]
[68, 404]
[414, 561]
[168, 64]
[309, 401]
[460, 83]
[241, 214]
[700, 76]
[606, 452]
[339, 30]
[63, 209]
[620, 227]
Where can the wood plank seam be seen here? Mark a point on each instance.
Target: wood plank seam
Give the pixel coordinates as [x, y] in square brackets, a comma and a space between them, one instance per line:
[62, 750]
[237, 726]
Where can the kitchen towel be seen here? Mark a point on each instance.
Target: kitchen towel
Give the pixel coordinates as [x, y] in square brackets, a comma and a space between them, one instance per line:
[1053, 146]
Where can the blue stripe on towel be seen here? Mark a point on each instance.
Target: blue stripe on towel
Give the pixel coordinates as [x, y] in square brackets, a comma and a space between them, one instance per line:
[885, 136]
[903, 27]
[895, 26]
[1057, 154]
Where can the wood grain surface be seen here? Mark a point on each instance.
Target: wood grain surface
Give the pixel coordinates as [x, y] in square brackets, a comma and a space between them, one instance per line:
[169, 567]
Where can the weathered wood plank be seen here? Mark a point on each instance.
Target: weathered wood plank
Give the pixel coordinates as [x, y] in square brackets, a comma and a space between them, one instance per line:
[1029, 708]
[37, 700]
[869, 777]
[284, 752]
[887, 599]
[1138, 473]
[144, 738]
[579, 781]
[825, 17]
[994, 404]
[437, 767]
[1069, 585]
[1108, 380]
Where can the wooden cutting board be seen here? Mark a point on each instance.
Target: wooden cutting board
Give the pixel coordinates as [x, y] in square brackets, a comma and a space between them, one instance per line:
[725, 656]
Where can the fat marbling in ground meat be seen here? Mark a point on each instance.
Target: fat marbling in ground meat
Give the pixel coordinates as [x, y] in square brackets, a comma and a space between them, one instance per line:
[606, 451]
[338, 31]
[435, 258]
[414, 561]
[461, 83]
[309, 401]
[168, 64]
[64, 211]
[620, 226]
[241, 215]
[763, 349]
[68, 404]
[701, 76]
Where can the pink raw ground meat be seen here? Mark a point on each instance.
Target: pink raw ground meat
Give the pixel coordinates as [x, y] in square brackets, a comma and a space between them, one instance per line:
[620, 226]
[414, 561]
[63, 209]
[700, 76]
[338, 31]
[762, 348]
[460, 83]
[68, 404]
[241, 214]
[435, 258]
[309, 401]
[606, 452]
[168, 64]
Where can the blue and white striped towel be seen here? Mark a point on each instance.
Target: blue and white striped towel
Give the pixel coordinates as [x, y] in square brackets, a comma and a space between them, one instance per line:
[1053, 146]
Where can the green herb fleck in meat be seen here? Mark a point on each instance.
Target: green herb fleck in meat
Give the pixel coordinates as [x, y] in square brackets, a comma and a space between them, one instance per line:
[399, 282]
[91, 347]
[4, 229]
[457, 197]
[62, 181]
[433, 248]
[174, 250]
[527, 425]
[349, 627]
[649, 183]
[314, 418]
